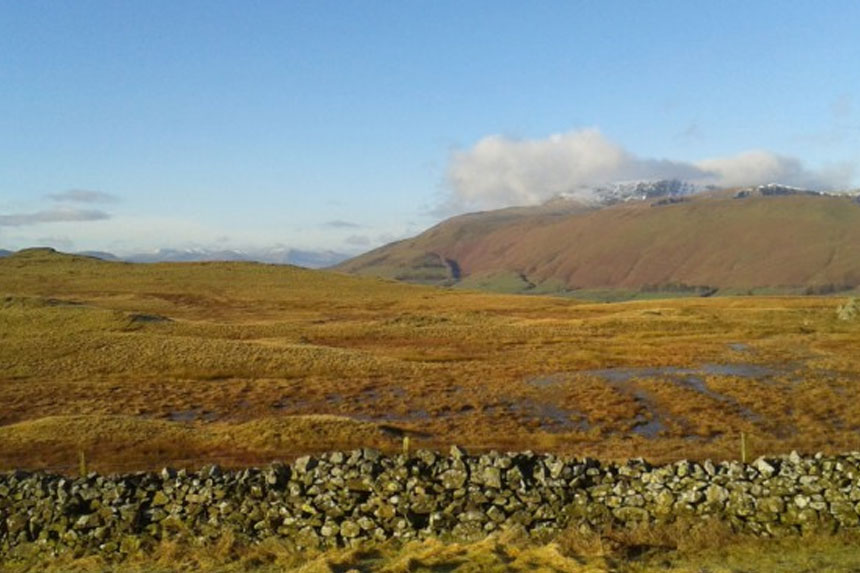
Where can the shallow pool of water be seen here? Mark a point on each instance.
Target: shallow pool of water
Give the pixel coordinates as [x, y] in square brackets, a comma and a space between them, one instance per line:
[624, 380]
[191, 415]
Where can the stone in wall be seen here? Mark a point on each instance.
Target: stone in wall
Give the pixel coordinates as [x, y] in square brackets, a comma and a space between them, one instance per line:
[344, 498]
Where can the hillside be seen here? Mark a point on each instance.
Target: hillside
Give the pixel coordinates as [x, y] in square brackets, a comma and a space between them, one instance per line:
[729, 241]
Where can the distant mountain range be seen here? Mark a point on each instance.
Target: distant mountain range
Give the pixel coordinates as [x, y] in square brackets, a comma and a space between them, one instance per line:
[309, 259]
[661, 236]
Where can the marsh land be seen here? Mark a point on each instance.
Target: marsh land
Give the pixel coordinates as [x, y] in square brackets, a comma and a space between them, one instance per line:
[142, 366]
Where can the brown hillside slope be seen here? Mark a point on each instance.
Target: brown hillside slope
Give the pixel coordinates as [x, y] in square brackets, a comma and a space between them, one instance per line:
[710, 239]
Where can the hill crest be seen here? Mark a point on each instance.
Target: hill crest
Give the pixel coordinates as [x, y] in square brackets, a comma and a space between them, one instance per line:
[771, 236]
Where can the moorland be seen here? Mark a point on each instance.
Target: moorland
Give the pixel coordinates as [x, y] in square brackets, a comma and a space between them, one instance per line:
[139, 366]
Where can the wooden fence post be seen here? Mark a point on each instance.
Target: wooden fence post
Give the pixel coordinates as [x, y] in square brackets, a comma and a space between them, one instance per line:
[82, 463]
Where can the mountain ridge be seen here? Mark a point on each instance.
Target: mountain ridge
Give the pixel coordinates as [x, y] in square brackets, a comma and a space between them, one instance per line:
[770, 236]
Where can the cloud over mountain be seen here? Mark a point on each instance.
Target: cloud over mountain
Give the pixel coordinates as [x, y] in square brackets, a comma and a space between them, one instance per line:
[499, 171]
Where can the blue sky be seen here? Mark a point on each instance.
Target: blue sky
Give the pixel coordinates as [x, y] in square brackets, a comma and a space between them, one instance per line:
[130, 126]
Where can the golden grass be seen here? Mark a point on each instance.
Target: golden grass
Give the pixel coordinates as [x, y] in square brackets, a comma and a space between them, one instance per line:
[181, 357]
[674, 548]
[123, 443]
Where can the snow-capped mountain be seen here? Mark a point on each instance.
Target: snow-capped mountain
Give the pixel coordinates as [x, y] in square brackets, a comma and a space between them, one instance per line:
[775, 189]
[611, 193]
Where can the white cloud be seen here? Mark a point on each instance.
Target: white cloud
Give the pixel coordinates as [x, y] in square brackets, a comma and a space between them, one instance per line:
[341, 224]
[61, 215]
[759, 167]
[83, 196]
[357, 240]
[499, 171]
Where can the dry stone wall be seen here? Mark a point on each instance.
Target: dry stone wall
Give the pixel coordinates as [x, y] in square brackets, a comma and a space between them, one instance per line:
[342, 498]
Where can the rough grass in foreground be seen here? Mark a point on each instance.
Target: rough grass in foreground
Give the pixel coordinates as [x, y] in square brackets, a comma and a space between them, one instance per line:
[679, 547]
[114, 444]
